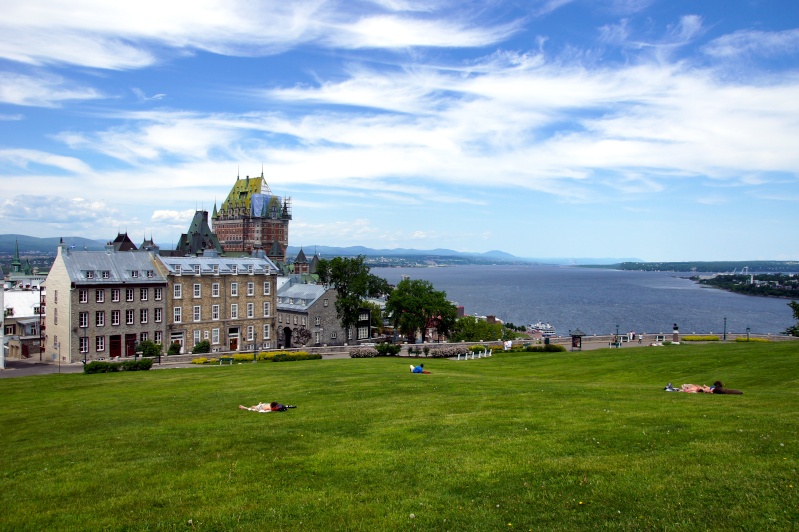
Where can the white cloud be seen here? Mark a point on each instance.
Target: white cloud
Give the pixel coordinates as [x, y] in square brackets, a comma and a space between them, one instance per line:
[45, 90]
[182, 218]
[23, 158]
[754, 42]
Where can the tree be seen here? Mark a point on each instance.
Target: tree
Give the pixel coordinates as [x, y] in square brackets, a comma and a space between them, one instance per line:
[202, 347]
[353, 283]
[415, 305]
[471, 329]
[148, 348]
[794, 329]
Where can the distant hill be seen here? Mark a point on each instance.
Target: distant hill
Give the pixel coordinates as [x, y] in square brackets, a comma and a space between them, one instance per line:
[31, 245]
[354, 251]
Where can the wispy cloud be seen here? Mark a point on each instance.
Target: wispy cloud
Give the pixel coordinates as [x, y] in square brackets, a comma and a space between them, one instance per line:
[44, 90]
[755, 43]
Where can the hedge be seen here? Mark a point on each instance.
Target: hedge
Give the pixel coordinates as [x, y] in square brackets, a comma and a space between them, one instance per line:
[742, 339]
[700, 338]
[99, 366]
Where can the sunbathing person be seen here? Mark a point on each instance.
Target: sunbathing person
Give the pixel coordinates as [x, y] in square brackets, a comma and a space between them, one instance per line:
[718, 387]
[690, 388]
[274, 406]
[419, 369]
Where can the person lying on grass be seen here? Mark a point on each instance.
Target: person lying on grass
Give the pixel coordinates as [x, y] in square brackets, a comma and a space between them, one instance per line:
[274, 406]
[717, 387]
[419, 369]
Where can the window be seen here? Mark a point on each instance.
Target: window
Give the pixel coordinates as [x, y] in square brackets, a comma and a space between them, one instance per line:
[177, 268]
[99, 295]
[318, 320]
[304, 320]
[176, 314]
[99, 318]
[197, 337]
[143, 337]
[143, 294]
[214, 312]
[215, 269]
[250, 332]
[249, 268]
[250, 310]
[158, 337]
[250, 289]
[234, 311]
[106, 274]
[150, 274]
[280, 318]
[234, 269]
[325, 302]
[349, 333]
[363, 316]
[363, 333]
[198, 290]
[214, 336]
[84, 344]
[100, 343]
[178, 291]
[158, 314]
[215, 290]
[267, 332]
[196, 269]
[143, 315]
[205, 335]
[317, 337]
[267, 288]
[115, 295]
[158, 294]
[83, 296]
[333, 335]
[234, 289]
[115, 317]
[129, 317]
[128, 294]
[55, 295]
[134, 274]
[55, 316]
[295, 319]
[267, 308]
[83, 320]
[90, 275]
[196, 312]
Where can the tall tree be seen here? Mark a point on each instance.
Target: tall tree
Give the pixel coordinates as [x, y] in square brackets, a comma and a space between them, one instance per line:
[794, 329]
[415, 305]
[353, 283]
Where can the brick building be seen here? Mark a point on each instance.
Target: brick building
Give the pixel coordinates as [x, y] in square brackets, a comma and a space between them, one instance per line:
[229, 301]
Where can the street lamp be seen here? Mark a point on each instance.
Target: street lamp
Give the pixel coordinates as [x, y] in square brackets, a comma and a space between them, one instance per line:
[725, 329]
[747, 334]
[254, 346]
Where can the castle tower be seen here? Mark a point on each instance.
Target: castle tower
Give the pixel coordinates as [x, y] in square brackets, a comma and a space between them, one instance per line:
[251, 217]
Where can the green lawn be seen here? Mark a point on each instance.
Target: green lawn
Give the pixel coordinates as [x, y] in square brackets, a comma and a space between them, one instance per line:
[541, 441]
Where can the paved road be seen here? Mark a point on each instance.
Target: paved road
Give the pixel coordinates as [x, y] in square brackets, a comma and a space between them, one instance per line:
[26, 368]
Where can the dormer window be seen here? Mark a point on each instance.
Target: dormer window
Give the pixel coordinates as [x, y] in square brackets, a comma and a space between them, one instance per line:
[196, 269]
[215, 269]
[89, 275]
[106, 274]
[234, 269]
[177, 268]
[134, 274]
[249, 268]
[150, 274]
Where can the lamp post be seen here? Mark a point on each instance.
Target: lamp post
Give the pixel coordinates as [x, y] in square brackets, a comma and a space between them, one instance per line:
[254, 346]
[747, 334]
[618, 341]
[725, 329]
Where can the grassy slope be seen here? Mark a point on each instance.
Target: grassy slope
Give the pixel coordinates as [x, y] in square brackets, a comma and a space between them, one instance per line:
[521, 441]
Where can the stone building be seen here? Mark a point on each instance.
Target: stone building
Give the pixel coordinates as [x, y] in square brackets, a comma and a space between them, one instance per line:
[229, 301]
[102, 303]
[252, 218]
[23, 323]
[307, 316]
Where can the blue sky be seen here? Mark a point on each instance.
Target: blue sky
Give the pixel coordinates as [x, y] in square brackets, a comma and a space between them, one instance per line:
[657, 129]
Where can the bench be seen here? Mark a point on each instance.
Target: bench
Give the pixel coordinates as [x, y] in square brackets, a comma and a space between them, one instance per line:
[222, 360]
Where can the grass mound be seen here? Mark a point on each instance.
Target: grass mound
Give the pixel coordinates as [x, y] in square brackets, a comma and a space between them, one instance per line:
[542, 441]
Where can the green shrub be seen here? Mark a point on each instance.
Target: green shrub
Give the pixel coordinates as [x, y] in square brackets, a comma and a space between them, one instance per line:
[199, 360]
[291, 357]
[364, 352]
[386, 350]
[148, 348]
[546, 348]
[700, 338]
[742, 339]
[477, 348]
[201, 347]
[174, 349]
[242, 357]
[99, 366]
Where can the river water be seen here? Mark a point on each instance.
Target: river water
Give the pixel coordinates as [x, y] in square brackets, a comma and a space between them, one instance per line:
[597, 300]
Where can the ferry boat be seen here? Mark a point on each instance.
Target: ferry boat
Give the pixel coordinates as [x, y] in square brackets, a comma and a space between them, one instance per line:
[544, 328]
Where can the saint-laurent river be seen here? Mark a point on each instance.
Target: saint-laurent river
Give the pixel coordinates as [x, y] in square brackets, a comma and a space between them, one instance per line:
[597, 300]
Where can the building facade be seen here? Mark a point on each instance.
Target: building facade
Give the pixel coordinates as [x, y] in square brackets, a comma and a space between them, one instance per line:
[102, 303]
[23, 325]
[252, 218]
[307, 316]
[229, 301]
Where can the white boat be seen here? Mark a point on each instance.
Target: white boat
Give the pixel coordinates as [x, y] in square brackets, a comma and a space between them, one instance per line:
[544, 328]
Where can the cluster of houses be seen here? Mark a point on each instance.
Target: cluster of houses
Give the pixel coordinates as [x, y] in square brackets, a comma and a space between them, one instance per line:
[239, 293]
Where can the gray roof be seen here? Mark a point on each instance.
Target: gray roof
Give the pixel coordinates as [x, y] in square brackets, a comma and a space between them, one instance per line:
[298, 296]
[224, 265]
[110, 267]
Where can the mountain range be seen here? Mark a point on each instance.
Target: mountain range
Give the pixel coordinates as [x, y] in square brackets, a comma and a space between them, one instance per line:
[30, 245]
